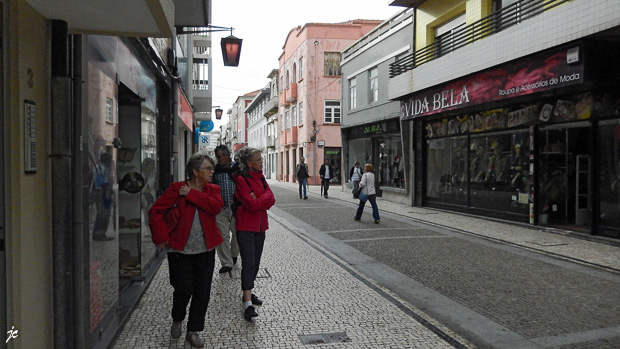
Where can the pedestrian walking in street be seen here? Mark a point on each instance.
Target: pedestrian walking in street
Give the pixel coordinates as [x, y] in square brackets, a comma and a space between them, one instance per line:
[356, 175]
[301, 176]
[190, 239]
[255, 197]
[225, 171]
[368, 187]
[327, 173]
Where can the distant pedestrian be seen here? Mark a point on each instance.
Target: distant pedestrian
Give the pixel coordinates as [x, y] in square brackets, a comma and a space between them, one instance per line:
[191, 243]
[225, 171]
[301, 176]
[327, 173]
[255, 196]
[356, 175]
[368, 187]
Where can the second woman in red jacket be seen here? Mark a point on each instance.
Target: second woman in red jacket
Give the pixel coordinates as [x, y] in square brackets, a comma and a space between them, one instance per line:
[251, 222]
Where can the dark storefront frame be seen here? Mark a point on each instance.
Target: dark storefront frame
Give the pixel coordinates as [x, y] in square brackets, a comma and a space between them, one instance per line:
[572, 112]
[373, 141]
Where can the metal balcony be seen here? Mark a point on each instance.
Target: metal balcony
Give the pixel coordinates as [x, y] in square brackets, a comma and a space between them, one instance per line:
[507, 17]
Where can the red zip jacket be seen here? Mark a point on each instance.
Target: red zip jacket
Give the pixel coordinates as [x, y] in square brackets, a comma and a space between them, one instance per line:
[209, 203]
[252, 214]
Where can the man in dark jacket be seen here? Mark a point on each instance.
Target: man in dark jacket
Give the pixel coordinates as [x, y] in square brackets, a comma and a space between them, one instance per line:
[327, 173]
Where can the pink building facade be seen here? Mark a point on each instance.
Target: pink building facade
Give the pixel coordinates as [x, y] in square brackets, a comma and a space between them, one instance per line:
[310, 96]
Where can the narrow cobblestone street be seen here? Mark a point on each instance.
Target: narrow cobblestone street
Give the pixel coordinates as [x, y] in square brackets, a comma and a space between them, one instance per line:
[420, 279]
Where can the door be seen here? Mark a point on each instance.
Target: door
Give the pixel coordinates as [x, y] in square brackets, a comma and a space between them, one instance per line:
[563, 191]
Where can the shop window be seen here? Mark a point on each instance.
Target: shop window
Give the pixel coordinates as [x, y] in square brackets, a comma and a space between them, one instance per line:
[391, 172]
[332, 112]
[609, 177]
[360, 150]
[447, 170]
[332, 63]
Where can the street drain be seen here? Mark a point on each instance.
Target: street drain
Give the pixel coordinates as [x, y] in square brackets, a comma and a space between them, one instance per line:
[324, 338]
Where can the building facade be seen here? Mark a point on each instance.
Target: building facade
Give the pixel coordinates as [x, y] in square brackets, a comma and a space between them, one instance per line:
[310, 96]
[510, 124]
[271, 115]
[371, 131]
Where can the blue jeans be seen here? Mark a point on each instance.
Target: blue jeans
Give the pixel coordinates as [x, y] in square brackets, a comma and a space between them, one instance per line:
[190, 276]
[251, 249]
[375, 210]
[303, 183]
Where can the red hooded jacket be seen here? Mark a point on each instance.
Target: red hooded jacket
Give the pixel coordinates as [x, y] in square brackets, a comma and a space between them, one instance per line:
[208, 202]
[252, 214]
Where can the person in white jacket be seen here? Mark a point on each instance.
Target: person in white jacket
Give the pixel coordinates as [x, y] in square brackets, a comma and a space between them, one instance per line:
[368, 187]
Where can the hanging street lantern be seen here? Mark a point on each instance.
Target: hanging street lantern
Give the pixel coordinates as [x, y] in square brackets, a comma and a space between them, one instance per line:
[218, 113]
[231, 50]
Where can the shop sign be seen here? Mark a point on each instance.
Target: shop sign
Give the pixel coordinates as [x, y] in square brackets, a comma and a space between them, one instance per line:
[373, 129]
[525, 76]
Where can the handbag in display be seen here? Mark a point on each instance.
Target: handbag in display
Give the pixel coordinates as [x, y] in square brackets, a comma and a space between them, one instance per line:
[356, 192]
[363, 196]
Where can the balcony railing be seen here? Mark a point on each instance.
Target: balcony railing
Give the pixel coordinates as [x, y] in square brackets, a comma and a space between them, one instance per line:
[507, 17]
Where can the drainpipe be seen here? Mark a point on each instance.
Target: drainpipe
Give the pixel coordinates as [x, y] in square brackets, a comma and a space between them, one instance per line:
[61, 188]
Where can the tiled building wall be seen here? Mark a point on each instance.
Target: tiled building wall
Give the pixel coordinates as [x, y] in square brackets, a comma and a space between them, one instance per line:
[563, 24]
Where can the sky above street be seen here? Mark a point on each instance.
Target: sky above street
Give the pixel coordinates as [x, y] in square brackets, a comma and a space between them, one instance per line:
[263, 26]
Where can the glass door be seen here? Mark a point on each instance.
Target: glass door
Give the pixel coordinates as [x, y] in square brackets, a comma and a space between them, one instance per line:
[564, 194]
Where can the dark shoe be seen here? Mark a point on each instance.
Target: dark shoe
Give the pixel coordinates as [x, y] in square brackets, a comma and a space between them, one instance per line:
[300, 197]
[194, 339]
[234, 260]
[249, 313]
[326, 196]
[357, 219]
[305, 198]
[175, 330]
[377, 221]
[225, 270]
[102, 238]
[256, 300]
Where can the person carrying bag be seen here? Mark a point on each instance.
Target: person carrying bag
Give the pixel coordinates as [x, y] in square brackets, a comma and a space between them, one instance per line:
[368, 193]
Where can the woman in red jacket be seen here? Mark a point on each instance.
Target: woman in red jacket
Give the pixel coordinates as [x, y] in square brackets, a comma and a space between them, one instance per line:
[251, 222]
[191, 243]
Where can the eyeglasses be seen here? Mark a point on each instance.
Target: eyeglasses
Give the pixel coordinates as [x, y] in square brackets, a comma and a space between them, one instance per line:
[210, 169]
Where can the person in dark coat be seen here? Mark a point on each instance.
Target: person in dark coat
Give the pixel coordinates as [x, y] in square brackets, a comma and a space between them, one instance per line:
[327, 173]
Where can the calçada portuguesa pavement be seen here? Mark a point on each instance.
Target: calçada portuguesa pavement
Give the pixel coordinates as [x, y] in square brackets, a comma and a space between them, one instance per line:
[314, 298]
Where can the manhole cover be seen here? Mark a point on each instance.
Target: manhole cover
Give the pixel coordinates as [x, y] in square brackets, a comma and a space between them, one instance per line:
[324, 338]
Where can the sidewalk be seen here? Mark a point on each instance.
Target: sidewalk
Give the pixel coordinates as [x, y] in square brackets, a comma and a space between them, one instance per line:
[556, 242]
[310, 296]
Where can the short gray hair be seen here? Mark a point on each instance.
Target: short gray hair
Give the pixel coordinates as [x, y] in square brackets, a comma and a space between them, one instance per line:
[194, 163]
[245, 154]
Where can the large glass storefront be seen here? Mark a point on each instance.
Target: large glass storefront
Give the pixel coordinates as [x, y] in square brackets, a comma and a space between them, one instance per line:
[543, 161]
[379, 144]
[120, 127]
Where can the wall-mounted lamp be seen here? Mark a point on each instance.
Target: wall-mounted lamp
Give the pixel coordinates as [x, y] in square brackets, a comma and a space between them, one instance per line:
[231, 46]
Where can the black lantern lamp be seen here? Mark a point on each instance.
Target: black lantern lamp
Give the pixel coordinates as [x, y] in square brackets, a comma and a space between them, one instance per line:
[231, 46]
[231, 49]
[218, 111]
